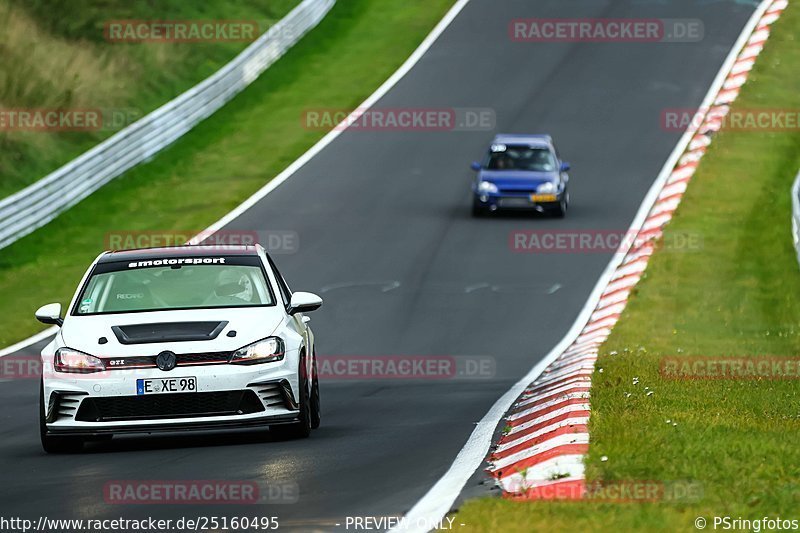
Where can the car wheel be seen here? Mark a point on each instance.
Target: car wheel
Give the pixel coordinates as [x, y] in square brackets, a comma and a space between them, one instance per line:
[478, 211]
[302, 428]
[561, 210]
[52, 444]
[316, 413]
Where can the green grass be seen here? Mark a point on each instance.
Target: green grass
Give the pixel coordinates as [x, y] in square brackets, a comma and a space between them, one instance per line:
[225, 159]
[55, 56]
[737, 296]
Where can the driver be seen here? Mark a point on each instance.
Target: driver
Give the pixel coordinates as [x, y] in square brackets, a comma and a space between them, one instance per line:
[233, 284]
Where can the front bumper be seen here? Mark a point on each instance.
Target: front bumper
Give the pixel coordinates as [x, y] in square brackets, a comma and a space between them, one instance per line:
[226, 396]
[521, 201]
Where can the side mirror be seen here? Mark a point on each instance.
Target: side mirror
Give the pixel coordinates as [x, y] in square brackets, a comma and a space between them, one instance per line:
[475, 166]
[50, 314]
[303, 302]
[564, 166]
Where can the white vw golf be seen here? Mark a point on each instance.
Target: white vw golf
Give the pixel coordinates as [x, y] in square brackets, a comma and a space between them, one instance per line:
[168, 339]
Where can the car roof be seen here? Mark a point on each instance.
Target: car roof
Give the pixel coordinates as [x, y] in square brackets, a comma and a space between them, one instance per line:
[177, 251]
[533, 139]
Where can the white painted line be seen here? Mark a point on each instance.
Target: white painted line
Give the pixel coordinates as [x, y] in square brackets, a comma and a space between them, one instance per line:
[796, 215]
[412, 60]
[436, 503]
[49, 332]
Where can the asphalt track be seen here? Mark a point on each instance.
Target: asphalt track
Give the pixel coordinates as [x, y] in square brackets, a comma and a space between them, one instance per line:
[387, 239]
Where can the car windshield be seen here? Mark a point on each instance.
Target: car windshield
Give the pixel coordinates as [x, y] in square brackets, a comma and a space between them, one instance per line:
[515, 157]
[118, 288]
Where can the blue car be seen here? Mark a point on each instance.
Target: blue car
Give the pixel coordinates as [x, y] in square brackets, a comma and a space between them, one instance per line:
[521, 172]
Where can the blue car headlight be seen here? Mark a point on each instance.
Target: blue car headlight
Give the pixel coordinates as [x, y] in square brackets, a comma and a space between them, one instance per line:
[546, 188]
[486, 187]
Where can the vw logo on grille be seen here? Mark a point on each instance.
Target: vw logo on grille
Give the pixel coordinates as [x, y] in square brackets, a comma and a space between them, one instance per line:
[166, 361]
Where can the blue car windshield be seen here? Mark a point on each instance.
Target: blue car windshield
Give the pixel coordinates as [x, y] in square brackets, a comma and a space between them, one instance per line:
[510, 157]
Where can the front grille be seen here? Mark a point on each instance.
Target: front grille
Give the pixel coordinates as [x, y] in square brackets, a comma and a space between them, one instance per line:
[118, 363]
[163, 406]
[197, 358]
[149, 361]
[517, 191]
[521, 201]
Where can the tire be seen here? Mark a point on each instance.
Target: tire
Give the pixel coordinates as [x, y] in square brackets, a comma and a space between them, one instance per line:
[478, 211]
[302, 428]
[51, 444]
[316, 412]
[561, 210]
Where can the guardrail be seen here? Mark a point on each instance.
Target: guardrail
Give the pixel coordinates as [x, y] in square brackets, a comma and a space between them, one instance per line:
[39, 203]
[796, 215]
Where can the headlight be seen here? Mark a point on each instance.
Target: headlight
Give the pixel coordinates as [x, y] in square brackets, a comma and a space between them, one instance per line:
[263, 351]
[546, 188]
[75, 362]
[487, 187]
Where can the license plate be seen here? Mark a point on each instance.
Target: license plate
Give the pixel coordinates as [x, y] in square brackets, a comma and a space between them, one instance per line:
[165, 385]
[514, 202]
[543, 198]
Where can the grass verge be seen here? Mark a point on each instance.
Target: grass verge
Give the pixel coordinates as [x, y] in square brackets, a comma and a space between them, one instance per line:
[225, 159]
[55, 56]
[735, 297]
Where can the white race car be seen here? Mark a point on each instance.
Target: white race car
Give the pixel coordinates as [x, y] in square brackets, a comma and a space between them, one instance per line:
[168, 339]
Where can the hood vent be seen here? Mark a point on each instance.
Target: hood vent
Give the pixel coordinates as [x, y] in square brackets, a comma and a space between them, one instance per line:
[168, 332]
